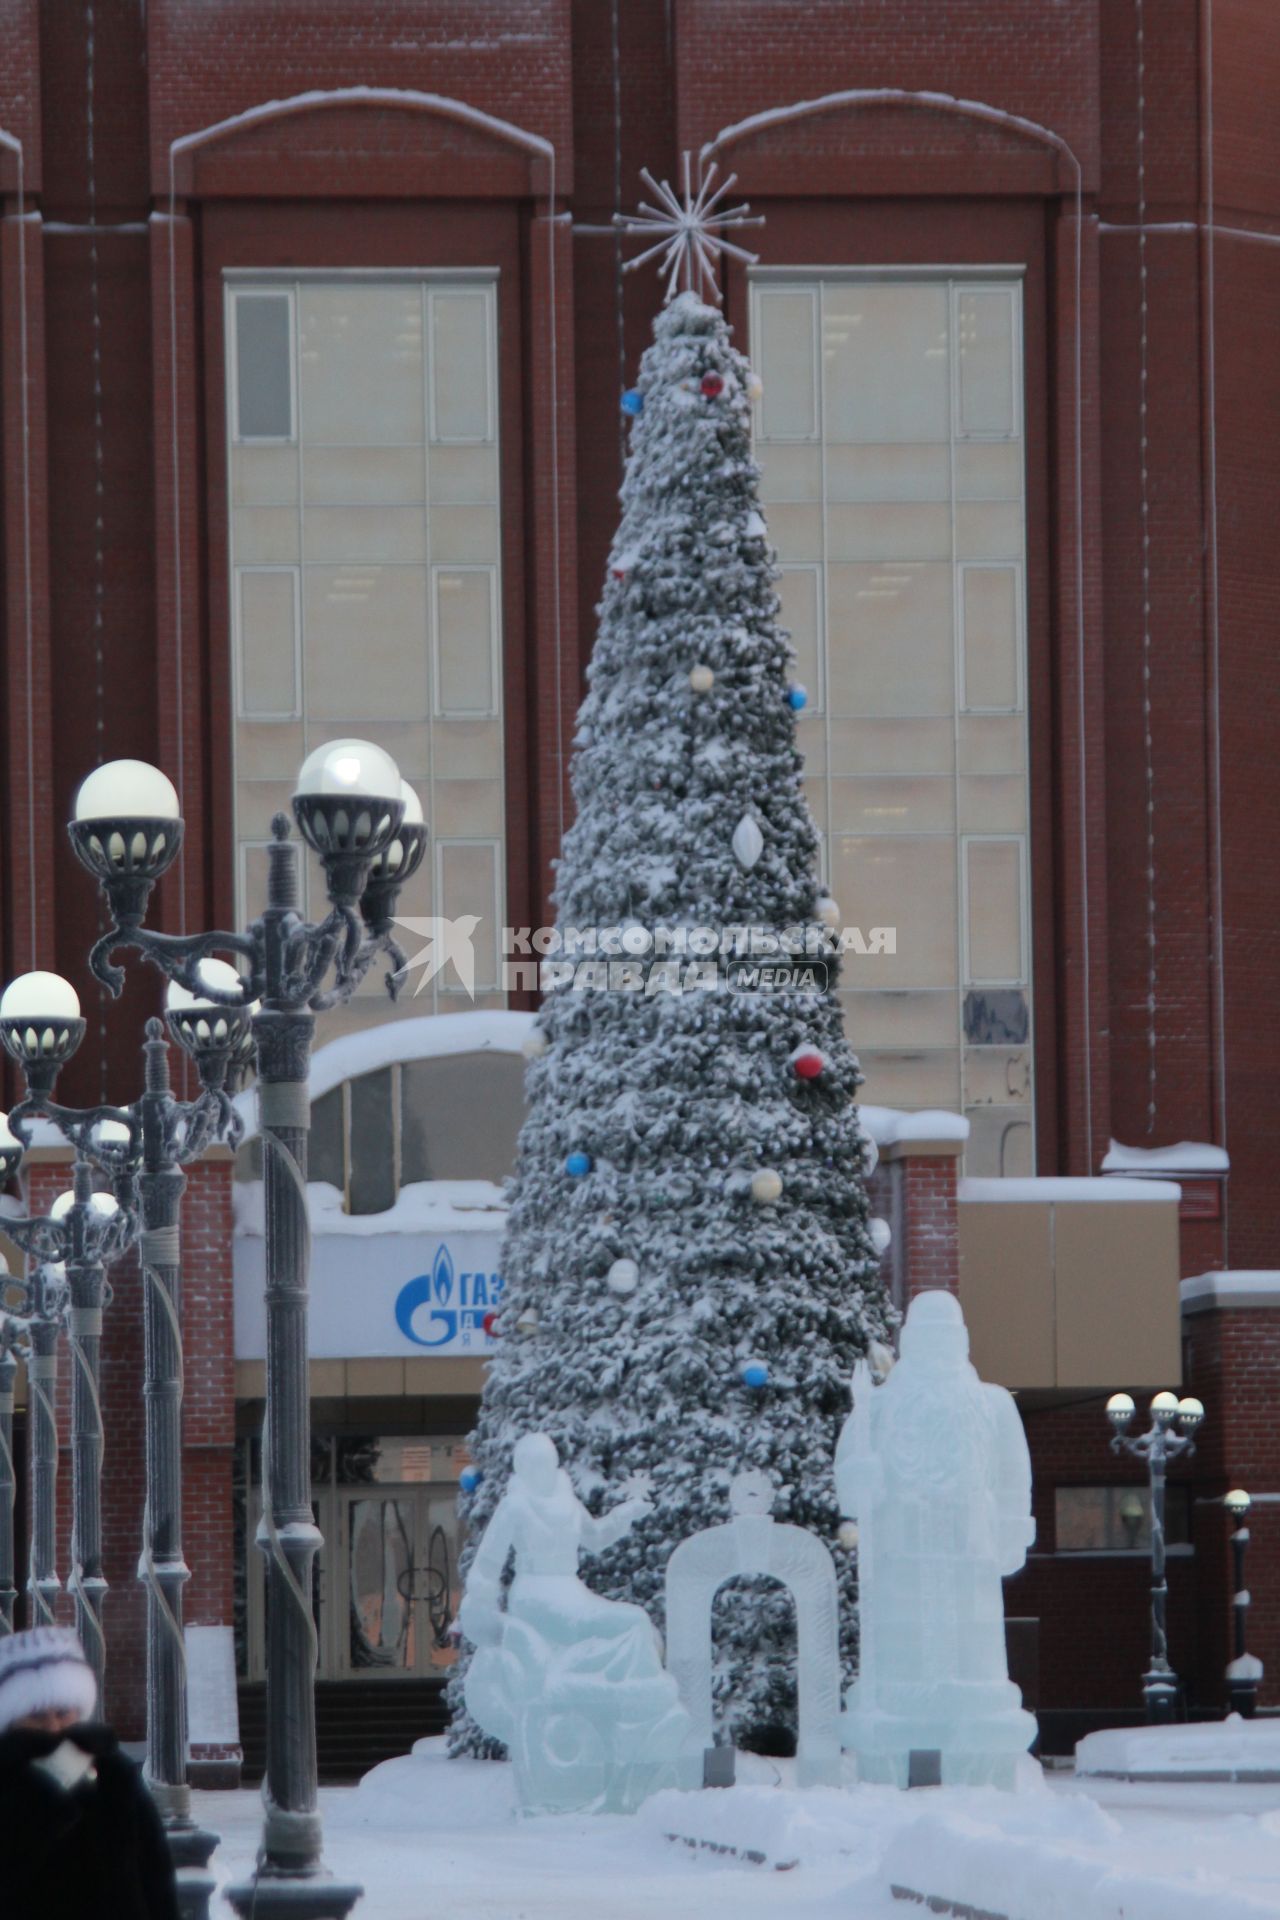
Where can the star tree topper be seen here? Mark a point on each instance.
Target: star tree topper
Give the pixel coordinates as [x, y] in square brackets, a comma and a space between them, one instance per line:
[688, 230]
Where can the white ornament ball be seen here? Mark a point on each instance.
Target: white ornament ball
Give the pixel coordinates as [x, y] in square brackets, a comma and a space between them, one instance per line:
[847, 1535]
[870, 1155]
[881, 1235]
[766, 1186]
[534, 1044]
[828, 911]
[702, 679]
[623, 1276]
[748, 842]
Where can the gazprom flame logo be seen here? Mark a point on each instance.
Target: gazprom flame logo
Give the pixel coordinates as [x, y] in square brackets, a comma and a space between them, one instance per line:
[458, 1304]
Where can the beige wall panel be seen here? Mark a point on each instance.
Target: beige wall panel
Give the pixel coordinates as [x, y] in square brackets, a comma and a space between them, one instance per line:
[1118, 1306]
[1007, 1292]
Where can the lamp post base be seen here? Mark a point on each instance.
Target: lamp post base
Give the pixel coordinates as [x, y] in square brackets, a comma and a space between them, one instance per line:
[190, 1849]
[280, 1896]
[1160, 1693]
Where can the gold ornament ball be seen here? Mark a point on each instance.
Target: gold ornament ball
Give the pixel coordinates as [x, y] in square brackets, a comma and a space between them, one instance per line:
[766, 1186]
[534, 1044]
[828, 911]
[702, 679]
[847, 1535]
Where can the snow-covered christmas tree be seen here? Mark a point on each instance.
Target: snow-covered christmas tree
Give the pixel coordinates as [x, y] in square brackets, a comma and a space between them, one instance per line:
[689, 1270]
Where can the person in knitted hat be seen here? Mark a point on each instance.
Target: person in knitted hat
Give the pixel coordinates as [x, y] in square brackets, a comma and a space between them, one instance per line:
[79, 1833]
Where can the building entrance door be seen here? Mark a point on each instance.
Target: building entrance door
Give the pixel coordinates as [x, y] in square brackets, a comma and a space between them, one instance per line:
[396, 1548]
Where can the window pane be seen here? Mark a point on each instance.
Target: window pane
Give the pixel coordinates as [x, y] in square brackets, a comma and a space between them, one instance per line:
[268, 642]
[360, 351]
[264, 476]
[397, 534]
[889, 640]
[464, 640]
[460, 407]
[468, 888]
[920, 1079]
[463, 473]
[264, 382]
[893, 881]
[798, 589]
[790, 473]
[888, 532]
[893, 746]
[898, 1020]
[366, 642]
[894, 804]
[371, 1155]
[889, 473]
[1000, 1143]
[989, 609]
[362, 476]
[993, 910]
[884, 362]
[785, 330]
[985, 337]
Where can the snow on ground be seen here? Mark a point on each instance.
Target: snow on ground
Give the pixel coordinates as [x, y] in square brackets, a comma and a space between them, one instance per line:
[429, 1838]
[1230, 1749]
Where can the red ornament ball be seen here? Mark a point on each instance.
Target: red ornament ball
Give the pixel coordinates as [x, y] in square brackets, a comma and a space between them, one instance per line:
[490, 1323]
[808, 1063]
[712, 385]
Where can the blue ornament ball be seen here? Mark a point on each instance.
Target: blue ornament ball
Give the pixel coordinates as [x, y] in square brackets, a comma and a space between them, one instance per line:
[633, 401]
[469, 1479]
[755, 1373]
[797, 698]
[577, 1163]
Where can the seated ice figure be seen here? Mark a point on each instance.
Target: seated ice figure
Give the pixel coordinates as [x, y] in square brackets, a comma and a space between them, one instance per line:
[933, 1465]
[572, 1684]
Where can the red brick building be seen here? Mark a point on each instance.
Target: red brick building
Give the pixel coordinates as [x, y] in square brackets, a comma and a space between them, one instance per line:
[312, 332]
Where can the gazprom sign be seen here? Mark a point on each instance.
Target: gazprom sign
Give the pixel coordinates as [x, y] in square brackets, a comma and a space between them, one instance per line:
[391, 1294]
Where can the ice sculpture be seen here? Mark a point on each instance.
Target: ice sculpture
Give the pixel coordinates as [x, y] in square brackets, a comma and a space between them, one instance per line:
[572, 1684]
[753, 1542]
[934, 1468]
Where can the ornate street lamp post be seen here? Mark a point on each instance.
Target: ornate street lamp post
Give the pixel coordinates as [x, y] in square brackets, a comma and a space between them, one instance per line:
[85, 1232]
[45, 1304]
[1157, 1447]
[143, 1148]
[1244, 1670]
[353, 809]
[13, 1347]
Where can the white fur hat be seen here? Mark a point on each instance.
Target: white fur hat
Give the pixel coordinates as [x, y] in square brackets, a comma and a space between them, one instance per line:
[44, 1671]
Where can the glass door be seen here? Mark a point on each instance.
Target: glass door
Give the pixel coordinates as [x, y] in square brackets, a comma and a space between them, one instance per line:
[397, 1546]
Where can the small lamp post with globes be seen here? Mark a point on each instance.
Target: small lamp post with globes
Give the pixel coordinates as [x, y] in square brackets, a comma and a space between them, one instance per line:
[354, 811]
[1244, 1670]
[1157, 1447]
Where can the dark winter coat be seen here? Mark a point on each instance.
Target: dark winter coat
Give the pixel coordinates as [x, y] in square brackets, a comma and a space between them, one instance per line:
[96, 1852]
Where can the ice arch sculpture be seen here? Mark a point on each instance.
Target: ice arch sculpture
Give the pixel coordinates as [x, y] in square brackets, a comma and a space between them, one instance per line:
[572, 1684]
[933, 1466]
[753, 1542]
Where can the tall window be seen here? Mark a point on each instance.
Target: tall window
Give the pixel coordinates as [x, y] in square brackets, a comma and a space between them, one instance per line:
[365, 572]
[890, 437]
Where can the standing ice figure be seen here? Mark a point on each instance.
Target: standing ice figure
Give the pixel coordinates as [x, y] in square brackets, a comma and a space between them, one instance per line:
[934, 1467]
[573, 1685]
